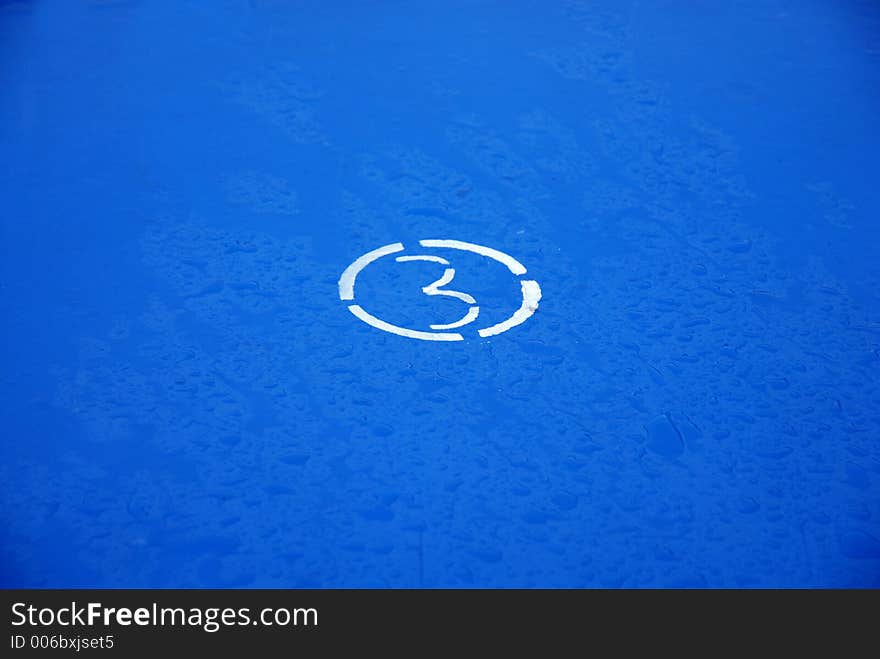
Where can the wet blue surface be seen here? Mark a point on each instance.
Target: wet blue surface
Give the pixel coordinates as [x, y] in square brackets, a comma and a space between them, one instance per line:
[187, 403]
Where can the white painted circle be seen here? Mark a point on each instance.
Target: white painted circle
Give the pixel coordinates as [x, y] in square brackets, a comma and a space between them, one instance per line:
[531, 291]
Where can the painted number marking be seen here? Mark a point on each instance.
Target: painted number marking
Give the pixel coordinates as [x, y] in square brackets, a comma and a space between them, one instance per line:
[531, 291]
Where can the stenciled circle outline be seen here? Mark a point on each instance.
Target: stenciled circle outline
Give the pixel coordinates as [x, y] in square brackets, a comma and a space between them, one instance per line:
[531, 291]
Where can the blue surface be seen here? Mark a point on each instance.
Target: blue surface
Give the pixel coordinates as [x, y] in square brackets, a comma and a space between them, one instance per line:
[187, 403]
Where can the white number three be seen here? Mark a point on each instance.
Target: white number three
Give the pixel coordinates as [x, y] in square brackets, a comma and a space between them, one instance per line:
[434, 289]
